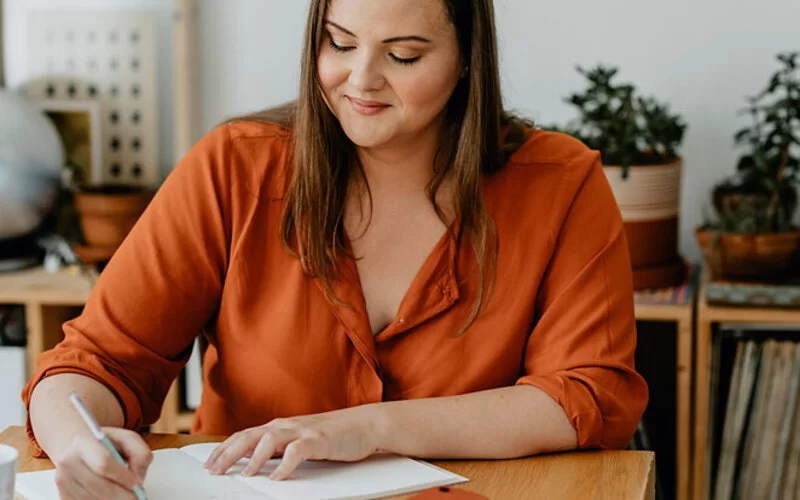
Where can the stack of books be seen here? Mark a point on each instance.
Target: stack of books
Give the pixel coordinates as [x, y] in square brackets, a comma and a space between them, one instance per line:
[676, 295]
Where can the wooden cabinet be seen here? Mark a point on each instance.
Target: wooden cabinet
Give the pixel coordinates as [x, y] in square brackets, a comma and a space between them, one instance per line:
[682, 315]
[709, 317]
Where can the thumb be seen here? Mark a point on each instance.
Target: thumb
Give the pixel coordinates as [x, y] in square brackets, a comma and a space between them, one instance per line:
[133, 448]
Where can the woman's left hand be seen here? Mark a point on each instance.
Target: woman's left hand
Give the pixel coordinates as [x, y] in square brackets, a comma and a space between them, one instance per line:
[344, 435]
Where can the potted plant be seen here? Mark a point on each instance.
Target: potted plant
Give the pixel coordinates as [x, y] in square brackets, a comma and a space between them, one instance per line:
[106, 213]
[752, 235]
[638, 139]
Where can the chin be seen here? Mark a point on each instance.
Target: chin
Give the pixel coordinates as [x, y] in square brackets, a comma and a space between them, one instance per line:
[367, 137]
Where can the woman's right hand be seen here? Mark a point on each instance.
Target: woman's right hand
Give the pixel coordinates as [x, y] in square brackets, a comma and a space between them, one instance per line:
[86, 470]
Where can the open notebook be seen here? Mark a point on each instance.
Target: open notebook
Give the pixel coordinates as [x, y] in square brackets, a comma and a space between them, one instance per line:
[178, 473]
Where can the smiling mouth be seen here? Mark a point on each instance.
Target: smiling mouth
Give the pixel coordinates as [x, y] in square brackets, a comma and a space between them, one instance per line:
[367, 108]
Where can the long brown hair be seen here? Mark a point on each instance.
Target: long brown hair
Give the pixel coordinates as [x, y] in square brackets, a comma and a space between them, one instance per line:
[471, 147]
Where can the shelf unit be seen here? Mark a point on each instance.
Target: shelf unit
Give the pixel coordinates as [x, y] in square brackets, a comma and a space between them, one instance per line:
[49, 300]
[682, 315]
[709, 317]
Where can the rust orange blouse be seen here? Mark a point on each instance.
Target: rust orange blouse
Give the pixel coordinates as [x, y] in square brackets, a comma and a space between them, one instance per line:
[206, 257]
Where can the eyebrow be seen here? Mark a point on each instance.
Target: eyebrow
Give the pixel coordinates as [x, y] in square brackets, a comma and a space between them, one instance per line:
[395, 39]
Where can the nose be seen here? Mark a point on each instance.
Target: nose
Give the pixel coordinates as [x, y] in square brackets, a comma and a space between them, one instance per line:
[365, 73]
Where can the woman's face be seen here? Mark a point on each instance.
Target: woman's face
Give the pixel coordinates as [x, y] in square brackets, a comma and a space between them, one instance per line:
[387, 68]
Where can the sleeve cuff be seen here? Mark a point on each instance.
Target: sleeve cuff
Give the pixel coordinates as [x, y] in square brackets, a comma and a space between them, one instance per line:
[587, 421]
[131, 410]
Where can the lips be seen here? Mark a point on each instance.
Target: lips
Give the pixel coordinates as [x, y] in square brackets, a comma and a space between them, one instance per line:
[367, 108]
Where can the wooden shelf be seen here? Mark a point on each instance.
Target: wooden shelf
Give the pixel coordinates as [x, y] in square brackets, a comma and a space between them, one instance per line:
[66, 288]
[708, 318]
[665, 312]
[683, 317]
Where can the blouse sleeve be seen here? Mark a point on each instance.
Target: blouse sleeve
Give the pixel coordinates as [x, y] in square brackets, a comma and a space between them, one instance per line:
[581, 349]
[157, 293]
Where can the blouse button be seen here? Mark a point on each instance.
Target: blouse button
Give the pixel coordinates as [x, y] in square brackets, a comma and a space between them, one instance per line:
[401, 320]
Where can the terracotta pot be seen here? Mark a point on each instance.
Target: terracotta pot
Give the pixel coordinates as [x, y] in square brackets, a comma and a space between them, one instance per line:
[652, 243]
[747, 256]
[653, 277]
[108, 214]
[649, 200]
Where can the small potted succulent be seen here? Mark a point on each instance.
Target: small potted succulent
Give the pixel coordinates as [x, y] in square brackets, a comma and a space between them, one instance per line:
[752, 235]
[638, 138]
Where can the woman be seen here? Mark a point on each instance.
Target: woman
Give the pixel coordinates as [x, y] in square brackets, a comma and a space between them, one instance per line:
[398, 266]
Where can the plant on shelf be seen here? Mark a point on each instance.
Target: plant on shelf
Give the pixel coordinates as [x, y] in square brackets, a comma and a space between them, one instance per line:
[96, 218]
[627, 129]
[638, 139]
[752, 234]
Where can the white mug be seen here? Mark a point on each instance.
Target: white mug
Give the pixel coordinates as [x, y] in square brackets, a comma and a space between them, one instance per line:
[8, 471]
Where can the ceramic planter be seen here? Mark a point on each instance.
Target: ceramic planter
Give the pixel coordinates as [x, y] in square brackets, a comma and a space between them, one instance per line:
[649, 200]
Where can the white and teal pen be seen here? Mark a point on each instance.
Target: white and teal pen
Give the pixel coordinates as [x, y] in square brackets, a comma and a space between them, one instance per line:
[101, 436]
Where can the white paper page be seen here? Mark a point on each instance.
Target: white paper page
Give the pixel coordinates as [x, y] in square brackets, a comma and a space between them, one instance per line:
[37, 485]
[375, 477]
[172, 476]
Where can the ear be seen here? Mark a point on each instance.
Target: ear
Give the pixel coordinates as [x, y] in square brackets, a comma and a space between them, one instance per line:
[465, 71]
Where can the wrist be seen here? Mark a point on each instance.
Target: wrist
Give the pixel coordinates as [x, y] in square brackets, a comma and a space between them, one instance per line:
[381, 427]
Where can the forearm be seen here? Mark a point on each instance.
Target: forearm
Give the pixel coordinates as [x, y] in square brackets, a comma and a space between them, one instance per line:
[500, 423]
[55, 421]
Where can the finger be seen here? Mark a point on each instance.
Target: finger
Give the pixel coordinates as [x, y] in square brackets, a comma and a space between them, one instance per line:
[214, 455]
[221, 447]
[238, 446]
[94, 485]
[266, 448]
[101, 487]
[102, 465]
[295, 453]
[133, 448]
[68, 487]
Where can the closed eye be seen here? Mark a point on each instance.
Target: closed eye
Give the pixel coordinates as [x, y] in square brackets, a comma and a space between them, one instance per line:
[401, 60]
[338, 48]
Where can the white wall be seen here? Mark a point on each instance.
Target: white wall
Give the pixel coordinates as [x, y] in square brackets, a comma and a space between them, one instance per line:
[703, 56]
[15, 49]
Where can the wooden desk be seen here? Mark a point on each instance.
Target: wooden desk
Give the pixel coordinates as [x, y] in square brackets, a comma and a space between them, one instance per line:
[598, 474]
[708, 318]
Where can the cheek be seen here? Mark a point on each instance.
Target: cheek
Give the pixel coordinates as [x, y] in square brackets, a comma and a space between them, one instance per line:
[427, 91]
[330, 74]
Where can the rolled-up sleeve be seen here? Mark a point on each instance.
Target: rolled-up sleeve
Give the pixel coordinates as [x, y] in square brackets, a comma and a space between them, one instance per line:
[581, 348]
[157, 293]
